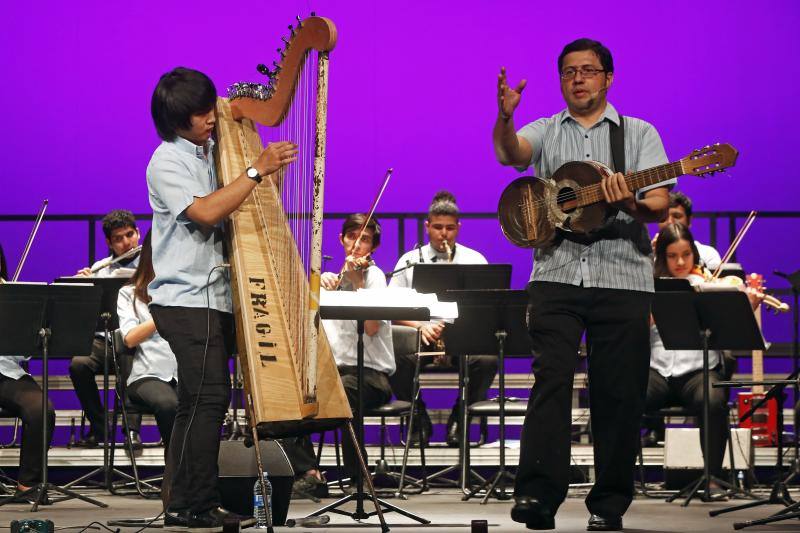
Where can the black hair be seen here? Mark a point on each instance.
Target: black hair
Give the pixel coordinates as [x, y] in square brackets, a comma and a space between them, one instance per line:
[670, 234]
[443, 203]
[679, 199]
[580, 45]
[180, 93]
[118, 218]
[144, 274]
[356, 220]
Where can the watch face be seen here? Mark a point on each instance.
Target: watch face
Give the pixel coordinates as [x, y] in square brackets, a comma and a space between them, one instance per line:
[253, 173]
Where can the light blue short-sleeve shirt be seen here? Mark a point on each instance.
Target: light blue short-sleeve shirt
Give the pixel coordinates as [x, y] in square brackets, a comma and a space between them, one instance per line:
[625, 260]
[185, 253]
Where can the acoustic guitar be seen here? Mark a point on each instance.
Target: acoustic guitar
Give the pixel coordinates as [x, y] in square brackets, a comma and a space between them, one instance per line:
[530, 209]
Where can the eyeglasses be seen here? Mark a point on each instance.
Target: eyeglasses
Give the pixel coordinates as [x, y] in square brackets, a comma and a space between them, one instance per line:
[586, 72]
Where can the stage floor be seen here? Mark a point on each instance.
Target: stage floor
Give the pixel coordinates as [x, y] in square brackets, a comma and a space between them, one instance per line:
[445, 510]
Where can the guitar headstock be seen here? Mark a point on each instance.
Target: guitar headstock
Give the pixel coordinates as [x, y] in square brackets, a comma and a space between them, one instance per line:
[709, 160]
[755, 281]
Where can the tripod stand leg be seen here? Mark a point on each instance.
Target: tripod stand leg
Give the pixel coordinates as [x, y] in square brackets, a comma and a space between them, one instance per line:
[366, 476]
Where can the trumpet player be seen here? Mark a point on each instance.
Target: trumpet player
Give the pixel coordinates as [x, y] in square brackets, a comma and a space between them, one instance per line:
[443, 226]
[122, 237]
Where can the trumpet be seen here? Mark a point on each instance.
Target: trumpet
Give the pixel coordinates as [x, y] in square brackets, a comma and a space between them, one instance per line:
[110, 261]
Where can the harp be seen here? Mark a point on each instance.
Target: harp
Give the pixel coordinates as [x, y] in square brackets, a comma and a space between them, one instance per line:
[275, 238]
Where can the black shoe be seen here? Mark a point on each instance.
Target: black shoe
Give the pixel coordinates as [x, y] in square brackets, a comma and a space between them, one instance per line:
[422, 430]
[650, 439]
[211, 521]
[453, 433]
[178, 519]
[600, 523]
[89, 440]
[533, 513]
[135, 440]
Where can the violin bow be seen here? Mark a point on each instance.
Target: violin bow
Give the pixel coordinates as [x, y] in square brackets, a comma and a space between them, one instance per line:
[370, 214]
[32, 236]
[735, 244]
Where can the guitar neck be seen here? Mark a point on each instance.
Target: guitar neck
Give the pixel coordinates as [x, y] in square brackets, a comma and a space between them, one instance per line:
[758, 360]
[635, 181]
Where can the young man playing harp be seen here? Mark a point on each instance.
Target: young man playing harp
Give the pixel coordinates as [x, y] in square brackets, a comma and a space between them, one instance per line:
[190, 294]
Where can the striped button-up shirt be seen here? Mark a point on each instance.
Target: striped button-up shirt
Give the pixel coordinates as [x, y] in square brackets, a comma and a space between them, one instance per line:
[621, 262]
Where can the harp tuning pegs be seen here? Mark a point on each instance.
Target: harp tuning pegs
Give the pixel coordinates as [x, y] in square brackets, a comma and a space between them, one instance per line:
[285, 41]
[262, 68]
[291, 30]
[299, 22]
[313, 14]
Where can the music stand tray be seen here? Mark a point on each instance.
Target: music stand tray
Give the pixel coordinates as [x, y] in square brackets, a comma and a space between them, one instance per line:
[689, 320]
[441, 277]
[45, 321]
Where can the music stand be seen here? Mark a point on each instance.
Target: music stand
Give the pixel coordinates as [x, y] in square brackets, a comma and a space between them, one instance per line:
[688, 320]
[47, 321]
[361, 314]
[490, 322]
[107, 321]
[441, 278]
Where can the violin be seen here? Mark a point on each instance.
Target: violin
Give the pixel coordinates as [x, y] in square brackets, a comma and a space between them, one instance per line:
[754, 285]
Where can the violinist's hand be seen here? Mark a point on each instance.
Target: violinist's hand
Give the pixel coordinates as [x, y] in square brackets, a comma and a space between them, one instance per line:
[431, 332]
[275, 156]
[328, 280]
[617, 193]
[84, 272]
[508, 98]
[755, 297]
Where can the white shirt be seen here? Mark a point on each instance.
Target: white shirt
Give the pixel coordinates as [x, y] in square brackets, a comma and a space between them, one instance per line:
[708, 255]
[378, 348]
[675, 363]
[429, 254]
[153, 357]
[9, 366]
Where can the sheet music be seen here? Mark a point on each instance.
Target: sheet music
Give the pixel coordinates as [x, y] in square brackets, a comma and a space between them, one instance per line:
[392, 297]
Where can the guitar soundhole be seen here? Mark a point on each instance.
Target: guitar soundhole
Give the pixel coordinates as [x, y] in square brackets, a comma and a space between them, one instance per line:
[567, 199]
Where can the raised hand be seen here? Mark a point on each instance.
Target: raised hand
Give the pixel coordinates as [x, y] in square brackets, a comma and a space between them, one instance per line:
[508, 98]
[275, 156]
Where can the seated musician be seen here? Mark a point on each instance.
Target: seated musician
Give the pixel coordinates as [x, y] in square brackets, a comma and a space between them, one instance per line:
[680, 211]
[443, 227]
[153, 380]
[358, 272]
[22, 396]
[122, 235]
[676, 376]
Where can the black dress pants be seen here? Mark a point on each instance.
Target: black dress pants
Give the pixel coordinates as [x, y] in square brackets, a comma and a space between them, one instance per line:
[616, 323]
[687, 391]
[481, 371]
[82, 372]
[155, 396]
[23, 397]
[204, 388]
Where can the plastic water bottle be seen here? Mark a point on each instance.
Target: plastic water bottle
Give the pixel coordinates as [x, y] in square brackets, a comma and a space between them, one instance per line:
[260, 509]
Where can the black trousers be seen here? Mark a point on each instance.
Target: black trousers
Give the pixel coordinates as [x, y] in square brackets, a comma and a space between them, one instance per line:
[375, 393]
[204, 388]
[687, 391]
[481, 371]
[158, 397]
[23, 397]
[82, 370]
[616, 323]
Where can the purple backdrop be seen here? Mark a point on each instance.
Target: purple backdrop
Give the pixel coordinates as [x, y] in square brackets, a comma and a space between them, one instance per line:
[412, 86]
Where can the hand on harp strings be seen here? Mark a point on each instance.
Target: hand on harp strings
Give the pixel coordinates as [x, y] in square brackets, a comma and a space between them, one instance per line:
[275, 156]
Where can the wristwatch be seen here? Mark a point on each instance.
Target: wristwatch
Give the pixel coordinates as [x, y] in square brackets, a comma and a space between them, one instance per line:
[253, 174]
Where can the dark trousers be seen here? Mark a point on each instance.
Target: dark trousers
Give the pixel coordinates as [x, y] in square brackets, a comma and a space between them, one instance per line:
[204, 388]
[23, 397]
[158, 397]
[687, 391]
[481, 371]
[616, 323]
[82, 370]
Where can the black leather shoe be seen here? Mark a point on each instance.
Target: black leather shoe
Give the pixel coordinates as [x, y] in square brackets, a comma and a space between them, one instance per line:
[179, 519]
[533, 513]
[211, 521]
[453, 433]
[600, 523]
[422, 432]
[135, 440]
[89, 440]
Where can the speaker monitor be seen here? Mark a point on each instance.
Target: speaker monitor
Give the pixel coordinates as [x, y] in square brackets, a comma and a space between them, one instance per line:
[682, 449]
[238, 473]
